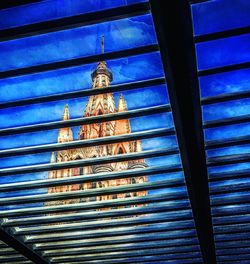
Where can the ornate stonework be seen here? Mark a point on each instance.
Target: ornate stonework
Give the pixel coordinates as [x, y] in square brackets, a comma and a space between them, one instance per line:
[98, 105]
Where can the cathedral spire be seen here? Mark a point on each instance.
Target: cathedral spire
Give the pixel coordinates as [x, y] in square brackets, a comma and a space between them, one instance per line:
[53, 158]
[66, 112]
[122, 105]
[65, 133]
[102, 44]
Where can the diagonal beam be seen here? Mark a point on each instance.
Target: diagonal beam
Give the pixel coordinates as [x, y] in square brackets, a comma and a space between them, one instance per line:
[18, 245]
[173, 25]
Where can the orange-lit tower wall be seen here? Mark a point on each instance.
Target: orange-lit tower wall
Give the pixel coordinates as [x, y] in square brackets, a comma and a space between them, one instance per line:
[100, 104]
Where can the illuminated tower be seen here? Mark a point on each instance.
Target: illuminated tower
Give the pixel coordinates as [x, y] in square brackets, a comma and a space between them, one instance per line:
[99, 104]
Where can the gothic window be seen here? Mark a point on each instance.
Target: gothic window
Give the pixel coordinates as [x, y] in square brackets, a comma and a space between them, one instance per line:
[100, 112]
[120, 151]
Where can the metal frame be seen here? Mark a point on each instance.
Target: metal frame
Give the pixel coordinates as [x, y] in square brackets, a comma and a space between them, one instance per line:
[178, 57]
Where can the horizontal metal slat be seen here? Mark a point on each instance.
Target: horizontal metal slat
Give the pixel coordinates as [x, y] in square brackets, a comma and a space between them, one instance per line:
[227, 68]
[117, 116]
[225, 97]
[228, 159]
[93, 192]
[233, 244]
[236, 174]
[159, 259]
[8, 187]
[233, 228]
[86, 120]
[110, 232]
[130, 254]
[234, 198]
[92, 215]
[212, 161]
[88, 162]
[155, 218]
[39, 210]
[228, 142]
[88, 142]
[124, 247]
[222, 34]
[73, 21]
[227, 121]
[230, 188]
[85, 92]
[79, 61]
[116, 241]
[231, 219]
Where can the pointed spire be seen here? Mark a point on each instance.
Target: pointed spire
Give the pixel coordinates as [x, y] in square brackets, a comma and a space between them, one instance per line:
[122, 105]
[101, 76]
[66, 112]
[102, 44]
[53, 158]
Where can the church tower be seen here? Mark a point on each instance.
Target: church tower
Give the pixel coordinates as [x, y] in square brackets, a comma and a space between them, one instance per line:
[100, 104]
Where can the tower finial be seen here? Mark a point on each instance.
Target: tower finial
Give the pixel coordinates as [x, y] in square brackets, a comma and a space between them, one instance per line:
[102, 44]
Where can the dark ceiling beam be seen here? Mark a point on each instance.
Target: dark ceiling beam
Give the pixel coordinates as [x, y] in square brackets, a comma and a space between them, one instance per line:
[227, 121]
[192, 2]
[74, 21]
[21, 247]
[220, 98]
[173, 23]
[13, 3]
[226, 68]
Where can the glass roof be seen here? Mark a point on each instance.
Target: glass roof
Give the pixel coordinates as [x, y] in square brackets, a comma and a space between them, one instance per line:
[90, 165]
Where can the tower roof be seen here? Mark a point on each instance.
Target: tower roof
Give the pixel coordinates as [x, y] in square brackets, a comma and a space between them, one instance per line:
[102, 69]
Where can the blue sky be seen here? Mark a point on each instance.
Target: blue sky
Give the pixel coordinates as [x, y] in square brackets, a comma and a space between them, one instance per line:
[219, 15]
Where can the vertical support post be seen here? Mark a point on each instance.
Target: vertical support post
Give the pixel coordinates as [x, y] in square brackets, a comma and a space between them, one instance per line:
[173, 23]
